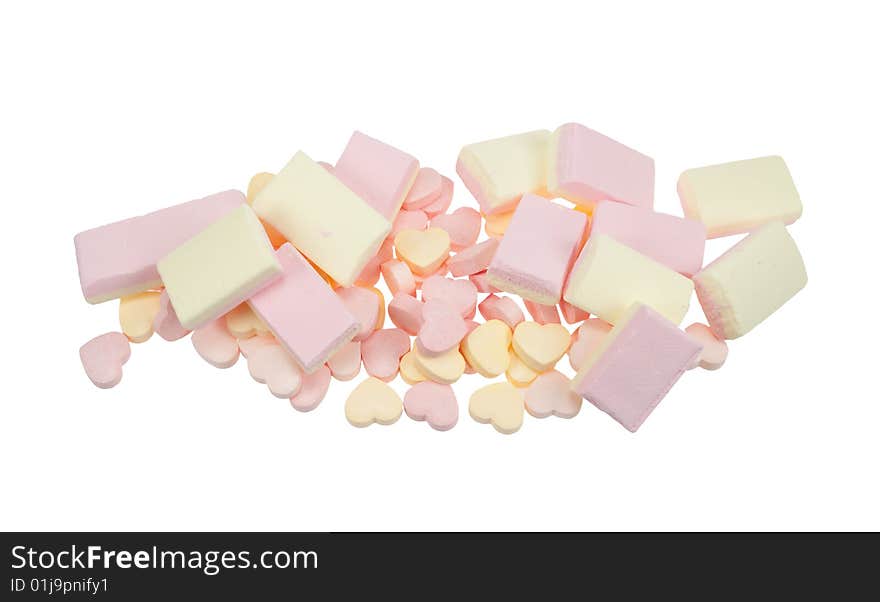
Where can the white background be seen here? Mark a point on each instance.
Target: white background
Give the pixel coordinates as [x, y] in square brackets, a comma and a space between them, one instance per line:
[109, 112]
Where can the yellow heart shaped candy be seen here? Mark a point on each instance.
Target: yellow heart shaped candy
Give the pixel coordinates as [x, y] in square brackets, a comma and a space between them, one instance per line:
[136, 315]
[540, 346]
[445, 368]
[498, 404]
[424, 251]
[486, 348]
[518, 373]
[373, 401]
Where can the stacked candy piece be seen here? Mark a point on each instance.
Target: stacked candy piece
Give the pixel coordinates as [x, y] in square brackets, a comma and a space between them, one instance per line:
[285, 276]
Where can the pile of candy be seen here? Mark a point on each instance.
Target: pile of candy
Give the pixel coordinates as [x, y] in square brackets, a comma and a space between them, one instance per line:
[286, 276]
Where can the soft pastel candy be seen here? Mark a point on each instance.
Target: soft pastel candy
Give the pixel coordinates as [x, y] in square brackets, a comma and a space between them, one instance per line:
[445, 369]
[498, 172]
[369, 276]
[542, 314]
[405, 312]
[714, 352]
[120, 259]
[409, 220]
[215, 345]
[103, 357]
[346, 363]
[166, 324]
[572, 314]
[382, 351]
[486, 348]
[409, 372]
[461, 294]
[749, 282]
[373, 401]
[364, 305]
[432, 402]
[304, 314]
[540, 346]
[426, 189]
[219, 267]
[678, 243]
[274, 367]
[496, 224]
[505, 309]
[442, 329]
[740, 196]
[481, 281]
[424, 251]
[473, 260]
[137, 313]
[550, 394]
[498, 404]
[379, 173]
[462, 225]
[635, 366]
[518, 372]
[587, 338]
[398, 277]
[311, 393]
[608, 277]
[246, 346]
[537, 251]
[585, 166]
[443, 201]
[243, 323]
[340, 247]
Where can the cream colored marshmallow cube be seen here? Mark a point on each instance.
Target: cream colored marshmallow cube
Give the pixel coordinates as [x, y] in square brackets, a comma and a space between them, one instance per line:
[753, 279]
[740, 196]
[498, 172]
[609, 276]
[323, 218]
[218, 268]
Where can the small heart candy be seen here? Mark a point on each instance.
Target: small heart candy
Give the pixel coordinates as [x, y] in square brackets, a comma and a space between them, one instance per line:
[714, 352]
[314, 388]
[498, 404]
[505, 309]
[426, 188]
[274, 367]
[366, 307]
[461, 294]
[166, 324]
[473, 260]
[432, 402]
[424, 251]
[398, 277]
[382, 352]
[540, 345]
[443, 201]
[214, 343]
[518, 373]
[445, 369]
[103, 358]
[137, 313]
[243, 323]
[550, 394]
[486, 348]
[462, 225]
[409, 372]
[373, 401]
[346, 363]
[405, 312]
[442, 329]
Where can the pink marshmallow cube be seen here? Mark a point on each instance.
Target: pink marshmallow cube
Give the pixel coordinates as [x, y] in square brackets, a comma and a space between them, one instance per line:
[309, 320]
[537, 250]
[676, 242]
[635, 366]
[120, 258]
[585, 167]
[377, 172]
